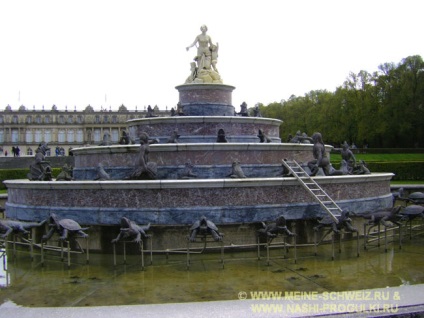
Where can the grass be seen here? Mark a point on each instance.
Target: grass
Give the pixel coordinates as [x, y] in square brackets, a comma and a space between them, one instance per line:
[396, 182]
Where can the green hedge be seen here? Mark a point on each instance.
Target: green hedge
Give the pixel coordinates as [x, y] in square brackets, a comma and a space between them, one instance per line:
[402, 170]
[408, 170]
[11, 174]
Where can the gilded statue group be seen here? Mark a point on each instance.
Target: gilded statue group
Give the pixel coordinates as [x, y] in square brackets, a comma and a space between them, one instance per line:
[204, 68]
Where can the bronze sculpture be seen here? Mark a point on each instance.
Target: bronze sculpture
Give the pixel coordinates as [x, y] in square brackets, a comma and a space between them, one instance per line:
[41, 169]
[17, 227]
[173, 139]
[143, 168]
[349, 157]
[66, 228]
[320, 158]
[410, 212]
[221, 136]
[65, 174]
[271, 231]
[237, 171]
[204, 227]
[344, 222]
[129, 229]
[102, 175]
[187, 172]
[125, 139]
[263, 137]
[382, 216]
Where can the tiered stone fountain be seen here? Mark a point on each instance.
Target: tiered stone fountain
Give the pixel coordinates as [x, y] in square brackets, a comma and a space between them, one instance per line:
[171, 203]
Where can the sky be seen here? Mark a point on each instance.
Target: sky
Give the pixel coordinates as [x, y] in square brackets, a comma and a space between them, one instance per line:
[133, 52]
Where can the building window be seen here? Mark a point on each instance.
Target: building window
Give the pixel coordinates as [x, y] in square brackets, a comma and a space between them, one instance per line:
[1, 135]
[79, 119]
[97, 135]
[15, 119]
[80, 135]
[47, 120]
[70, 119]
[38, 136]
[47, 135]
[61, 136]
[28, 135]
[29, 152]
[15, 135]
[29, 120]
[1, 119]
[114, 119]
[97, 119]
[71, 135]
[61, 119]
[115, 135]
[38, 119]
[106, 119]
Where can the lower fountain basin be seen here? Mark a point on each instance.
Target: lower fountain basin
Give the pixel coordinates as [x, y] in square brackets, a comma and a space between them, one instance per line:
[177, 202]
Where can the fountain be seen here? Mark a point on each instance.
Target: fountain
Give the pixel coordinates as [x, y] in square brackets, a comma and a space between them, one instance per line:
[235, 180]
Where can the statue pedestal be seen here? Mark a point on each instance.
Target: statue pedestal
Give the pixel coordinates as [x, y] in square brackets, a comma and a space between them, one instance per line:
[206, 99]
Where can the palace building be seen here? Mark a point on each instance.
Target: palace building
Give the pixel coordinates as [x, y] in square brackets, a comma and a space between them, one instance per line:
[26, 129]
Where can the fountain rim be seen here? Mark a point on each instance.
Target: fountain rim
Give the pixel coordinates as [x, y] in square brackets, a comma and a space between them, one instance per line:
[214, 146]
[189, 183]
[206, 119]
[192, 86]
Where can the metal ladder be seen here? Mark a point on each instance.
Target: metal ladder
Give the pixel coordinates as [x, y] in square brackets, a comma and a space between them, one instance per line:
[314, 189]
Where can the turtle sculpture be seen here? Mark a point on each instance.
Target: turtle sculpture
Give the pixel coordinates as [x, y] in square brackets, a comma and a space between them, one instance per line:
[416, 198]
[129, 229]
[204, 227]
[66, 228]
[344, 222]
[383, 216]
[17, 227]
[411, 212]
[270, 231]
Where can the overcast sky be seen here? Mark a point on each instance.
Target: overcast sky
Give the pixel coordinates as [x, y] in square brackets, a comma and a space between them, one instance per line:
[132, 52]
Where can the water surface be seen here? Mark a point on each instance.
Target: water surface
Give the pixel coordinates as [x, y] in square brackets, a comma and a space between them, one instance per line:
[26, 282]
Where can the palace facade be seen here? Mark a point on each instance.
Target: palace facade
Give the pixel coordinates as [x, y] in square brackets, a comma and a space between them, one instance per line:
[26, 129]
